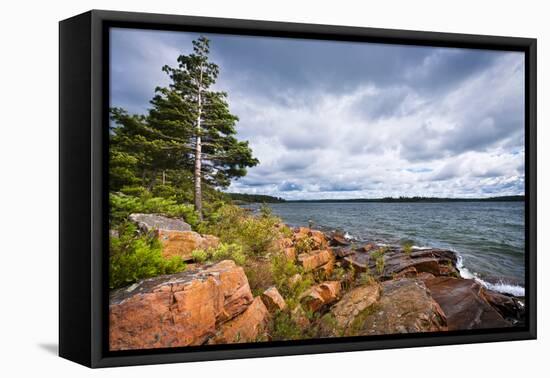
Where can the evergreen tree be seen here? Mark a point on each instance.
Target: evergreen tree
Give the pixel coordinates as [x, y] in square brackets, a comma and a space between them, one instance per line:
[196, 126]
[138, 152]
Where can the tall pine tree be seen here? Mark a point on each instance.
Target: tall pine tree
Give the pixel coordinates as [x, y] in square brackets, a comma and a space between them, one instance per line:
[196, 126]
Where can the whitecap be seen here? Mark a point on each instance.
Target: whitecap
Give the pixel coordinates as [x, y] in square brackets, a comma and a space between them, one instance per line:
[501, 287]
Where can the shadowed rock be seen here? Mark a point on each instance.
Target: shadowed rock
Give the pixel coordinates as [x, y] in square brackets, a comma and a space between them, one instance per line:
[463, 302]
[396, 262]
[509, 307]
[337, 239]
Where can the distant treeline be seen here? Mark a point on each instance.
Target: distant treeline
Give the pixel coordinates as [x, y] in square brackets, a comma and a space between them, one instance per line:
[254, 198]
[259, 198]
[421, 199]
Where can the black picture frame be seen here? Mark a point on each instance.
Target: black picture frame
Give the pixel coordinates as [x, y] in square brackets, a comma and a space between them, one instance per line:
[83, 201]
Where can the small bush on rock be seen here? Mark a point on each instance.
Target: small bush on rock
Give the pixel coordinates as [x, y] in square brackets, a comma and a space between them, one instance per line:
[407, 247]
[134, 257]
[199, 255]
[305, 245]
[123, 205]
[222, 252]
[256, 234]
[283, 327]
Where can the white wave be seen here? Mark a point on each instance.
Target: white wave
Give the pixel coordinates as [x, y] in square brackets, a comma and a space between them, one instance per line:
[506, 288]
[420, 248]
[347, 236]
[464, 272]
[501, 287]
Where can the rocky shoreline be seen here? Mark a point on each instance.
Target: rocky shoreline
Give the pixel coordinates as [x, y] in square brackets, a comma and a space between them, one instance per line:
[358, 290]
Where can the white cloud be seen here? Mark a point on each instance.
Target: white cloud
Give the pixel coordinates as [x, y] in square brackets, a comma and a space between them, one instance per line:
[330, 120]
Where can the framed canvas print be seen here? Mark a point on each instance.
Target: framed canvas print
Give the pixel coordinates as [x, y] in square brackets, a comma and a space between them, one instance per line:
[233, 188]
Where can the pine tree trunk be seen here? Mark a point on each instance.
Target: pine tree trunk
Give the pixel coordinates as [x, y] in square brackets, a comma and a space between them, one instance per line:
[198, 192]
[198, 153]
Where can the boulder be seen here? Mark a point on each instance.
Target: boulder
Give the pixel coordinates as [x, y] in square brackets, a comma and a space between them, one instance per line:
[342, 252]
[395, 265]
[509, 307]
[316, 259]
[183, 243]
[320, 295]
[300, 233]
[367, 247]
[319, 241]
[290, 253]
[424, 276]
[409, 272]
[434, 261]
[463, 302]
[177, 310]
[405, 306]
[338, 239]
[273, 300]
[353, 303]
[326, 269]
[156, 222]
[250, 326]
[283, 243]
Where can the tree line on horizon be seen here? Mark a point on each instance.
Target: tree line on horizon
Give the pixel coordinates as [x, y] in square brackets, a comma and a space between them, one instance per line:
[262, 198]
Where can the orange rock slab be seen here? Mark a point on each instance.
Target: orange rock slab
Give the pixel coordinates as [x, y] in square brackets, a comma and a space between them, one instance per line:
[177, 310]
[249, 326]
[320, 295]
[183, 243]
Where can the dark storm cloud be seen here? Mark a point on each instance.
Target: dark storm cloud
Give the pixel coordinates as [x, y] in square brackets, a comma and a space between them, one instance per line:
[274, 66]
[340, 119]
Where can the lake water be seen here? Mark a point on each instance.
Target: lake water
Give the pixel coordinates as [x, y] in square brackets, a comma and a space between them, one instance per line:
[489, 237]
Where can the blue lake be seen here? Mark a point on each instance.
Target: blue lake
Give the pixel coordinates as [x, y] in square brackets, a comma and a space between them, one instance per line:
[489, 237]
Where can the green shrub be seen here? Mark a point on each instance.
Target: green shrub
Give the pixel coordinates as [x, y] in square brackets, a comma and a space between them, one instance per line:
[378, 257]
[286, 231]
[134, 257]
[407, 247]
[255, 234]
[134, 191]
[285, 328]
[165, 191]
[366, 278]
[228, 252]
[123, 205]
[282, 269]
[199, 255]
[222, 252]
[304, 245]
[258, 272]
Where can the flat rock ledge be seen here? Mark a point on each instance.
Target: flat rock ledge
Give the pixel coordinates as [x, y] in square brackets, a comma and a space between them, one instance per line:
[210, 304]
[155, 222]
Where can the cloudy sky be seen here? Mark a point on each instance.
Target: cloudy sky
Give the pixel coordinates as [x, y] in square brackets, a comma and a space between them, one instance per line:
[352, 120]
